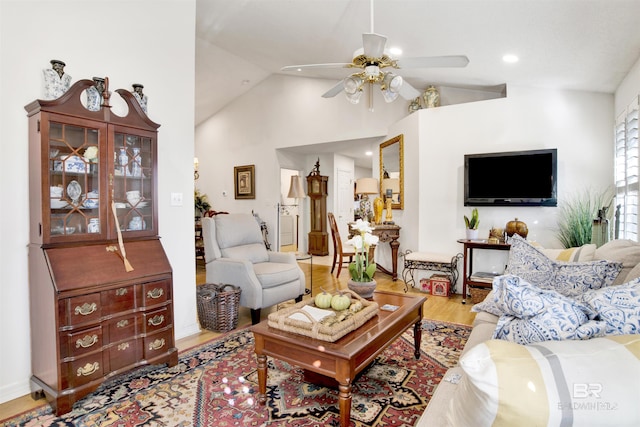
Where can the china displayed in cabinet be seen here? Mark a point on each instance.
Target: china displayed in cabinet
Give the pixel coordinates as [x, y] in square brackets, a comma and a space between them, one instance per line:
[101, 293]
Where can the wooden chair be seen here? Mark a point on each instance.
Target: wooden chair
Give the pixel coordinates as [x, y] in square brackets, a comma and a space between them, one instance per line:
[340, 251]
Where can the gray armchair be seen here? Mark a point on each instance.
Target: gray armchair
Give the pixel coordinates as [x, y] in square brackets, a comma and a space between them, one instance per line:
[235, 254]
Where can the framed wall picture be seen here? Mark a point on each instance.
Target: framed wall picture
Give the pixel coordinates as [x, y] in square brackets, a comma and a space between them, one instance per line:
[244, 181]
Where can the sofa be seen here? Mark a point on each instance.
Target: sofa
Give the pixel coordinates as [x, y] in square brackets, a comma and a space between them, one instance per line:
[556, 342]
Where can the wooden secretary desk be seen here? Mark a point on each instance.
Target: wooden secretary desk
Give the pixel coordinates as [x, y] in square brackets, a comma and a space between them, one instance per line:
[317, 192]
[96, 308]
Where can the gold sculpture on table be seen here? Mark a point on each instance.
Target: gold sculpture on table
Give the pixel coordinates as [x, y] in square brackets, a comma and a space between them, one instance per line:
[378, 206]
[389, 218]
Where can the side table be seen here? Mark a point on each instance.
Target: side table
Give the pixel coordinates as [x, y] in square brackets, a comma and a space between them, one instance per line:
[467, 268]
[387, 233]
[301, 256]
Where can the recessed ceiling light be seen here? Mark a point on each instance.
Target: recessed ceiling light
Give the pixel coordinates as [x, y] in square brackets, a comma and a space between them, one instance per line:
[368, 153]
[511, 59]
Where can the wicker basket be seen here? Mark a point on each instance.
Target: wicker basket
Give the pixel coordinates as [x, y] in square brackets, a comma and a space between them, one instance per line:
[218, 306]
[478, 294]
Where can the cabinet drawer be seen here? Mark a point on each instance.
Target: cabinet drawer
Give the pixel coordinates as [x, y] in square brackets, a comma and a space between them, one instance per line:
[157, 319]
[83, 370]
[122, 328]
[118, 300]
[77, 343]
[82, 309]
[154, 293]
[125, 354]
[157, 344]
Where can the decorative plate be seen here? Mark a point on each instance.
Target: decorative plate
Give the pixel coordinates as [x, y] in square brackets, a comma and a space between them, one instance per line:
[74, 191]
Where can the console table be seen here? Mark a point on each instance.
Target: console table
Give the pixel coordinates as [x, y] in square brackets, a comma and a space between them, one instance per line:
[467, 268]
[387, 233]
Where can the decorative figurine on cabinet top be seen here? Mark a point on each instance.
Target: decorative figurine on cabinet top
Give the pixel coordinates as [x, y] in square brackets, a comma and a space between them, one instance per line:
[56, 81]
[140, 97]
[95, 94]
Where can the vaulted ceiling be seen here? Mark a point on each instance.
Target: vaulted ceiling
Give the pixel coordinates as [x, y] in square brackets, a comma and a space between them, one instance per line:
[570, 44]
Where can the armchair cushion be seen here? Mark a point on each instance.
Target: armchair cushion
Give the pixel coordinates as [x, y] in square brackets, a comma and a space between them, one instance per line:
[239, 237]
[272, 274]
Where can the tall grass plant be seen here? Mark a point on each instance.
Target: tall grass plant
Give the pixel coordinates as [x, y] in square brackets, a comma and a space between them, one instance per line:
[576, 215]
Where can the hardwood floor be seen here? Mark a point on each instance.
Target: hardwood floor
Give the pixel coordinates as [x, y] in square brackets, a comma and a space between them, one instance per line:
[436, 308]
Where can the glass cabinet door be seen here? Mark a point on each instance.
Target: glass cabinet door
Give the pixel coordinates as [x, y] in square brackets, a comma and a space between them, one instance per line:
[133, 181]
[74, 182]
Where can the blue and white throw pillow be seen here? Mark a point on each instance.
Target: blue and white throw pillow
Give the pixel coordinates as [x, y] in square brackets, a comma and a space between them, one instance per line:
[617, 306]
[571, 279]
[531, 314]
[489, 305]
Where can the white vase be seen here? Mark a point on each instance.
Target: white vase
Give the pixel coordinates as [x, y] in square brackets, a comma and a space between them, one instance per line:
[472, 234]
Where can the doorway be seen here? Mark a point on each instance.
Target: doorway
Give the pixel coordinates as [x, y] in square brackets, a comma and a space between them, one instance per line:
[289, 215]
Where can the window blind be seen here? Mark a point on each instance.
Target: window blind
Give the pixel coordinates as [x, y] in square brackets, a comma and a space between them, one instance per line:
[627, 171]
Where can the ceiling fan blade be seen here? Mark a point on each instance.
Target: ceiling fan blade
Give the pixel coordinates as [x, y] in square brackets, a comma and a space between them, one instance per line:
[312, 66]
[373, 44]
[433, 61]
[408, 92]
[334, 90]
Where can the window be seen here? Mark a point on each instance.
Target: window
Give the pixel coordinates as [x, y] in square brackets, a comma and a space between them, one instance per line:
[626, 172]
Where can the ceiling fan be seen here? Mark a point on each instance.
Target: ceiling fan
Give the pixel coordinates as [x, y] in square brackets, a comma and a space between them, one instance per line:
[372, 59]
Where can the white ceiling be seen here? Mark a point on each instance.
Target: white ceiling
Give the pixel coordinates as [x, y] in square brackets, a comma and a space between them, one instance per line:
[570, 44]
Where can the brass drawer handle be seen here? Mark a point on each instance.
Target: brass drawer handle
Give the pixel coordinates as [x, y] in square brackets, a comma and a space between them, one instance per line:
[88, 369]
[157, 344]
[123, 346]
[156, 320]
[86, 308]
[156, 293]
[121, 292]
[122, 323]
[87, 341]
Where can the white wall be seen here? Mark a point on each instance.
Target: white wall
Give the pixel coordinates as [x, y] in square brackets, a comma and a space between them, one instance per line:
[578, 124]
[628, 90]
[128, 42]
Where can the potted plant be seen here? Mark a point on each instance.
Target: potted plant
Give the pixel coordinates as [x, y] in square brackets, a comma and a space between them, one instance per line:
[472, 225]
[362, 268]
[201, 203]
[576, 216]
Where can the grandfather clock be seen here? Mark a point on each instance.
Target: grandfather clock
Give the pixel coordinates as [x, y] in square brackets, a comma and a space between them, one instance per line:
[317, 192]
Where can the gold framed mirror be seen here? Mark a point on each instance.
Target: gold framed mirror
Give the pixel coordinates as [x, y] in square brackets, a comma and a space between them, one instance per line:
[392, 171]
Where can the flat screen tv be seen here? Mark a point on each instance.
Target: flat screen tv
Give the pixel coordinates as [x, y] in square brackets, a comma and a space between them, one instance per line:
[514, 178]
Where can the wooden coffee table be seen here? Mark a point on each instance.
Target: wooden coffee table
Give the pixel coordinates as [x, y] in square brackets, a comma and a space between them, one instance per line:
[343, 359]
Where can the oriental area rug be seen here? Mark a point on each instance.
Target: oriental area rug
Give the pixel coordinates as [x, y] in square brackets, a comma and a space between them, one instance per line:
[215, 384]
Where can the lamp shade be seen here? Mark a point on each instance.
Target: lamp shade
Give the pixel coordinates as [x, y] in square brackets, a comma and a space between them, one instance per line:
[295, 189]
[392, 184]
[367, 186]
